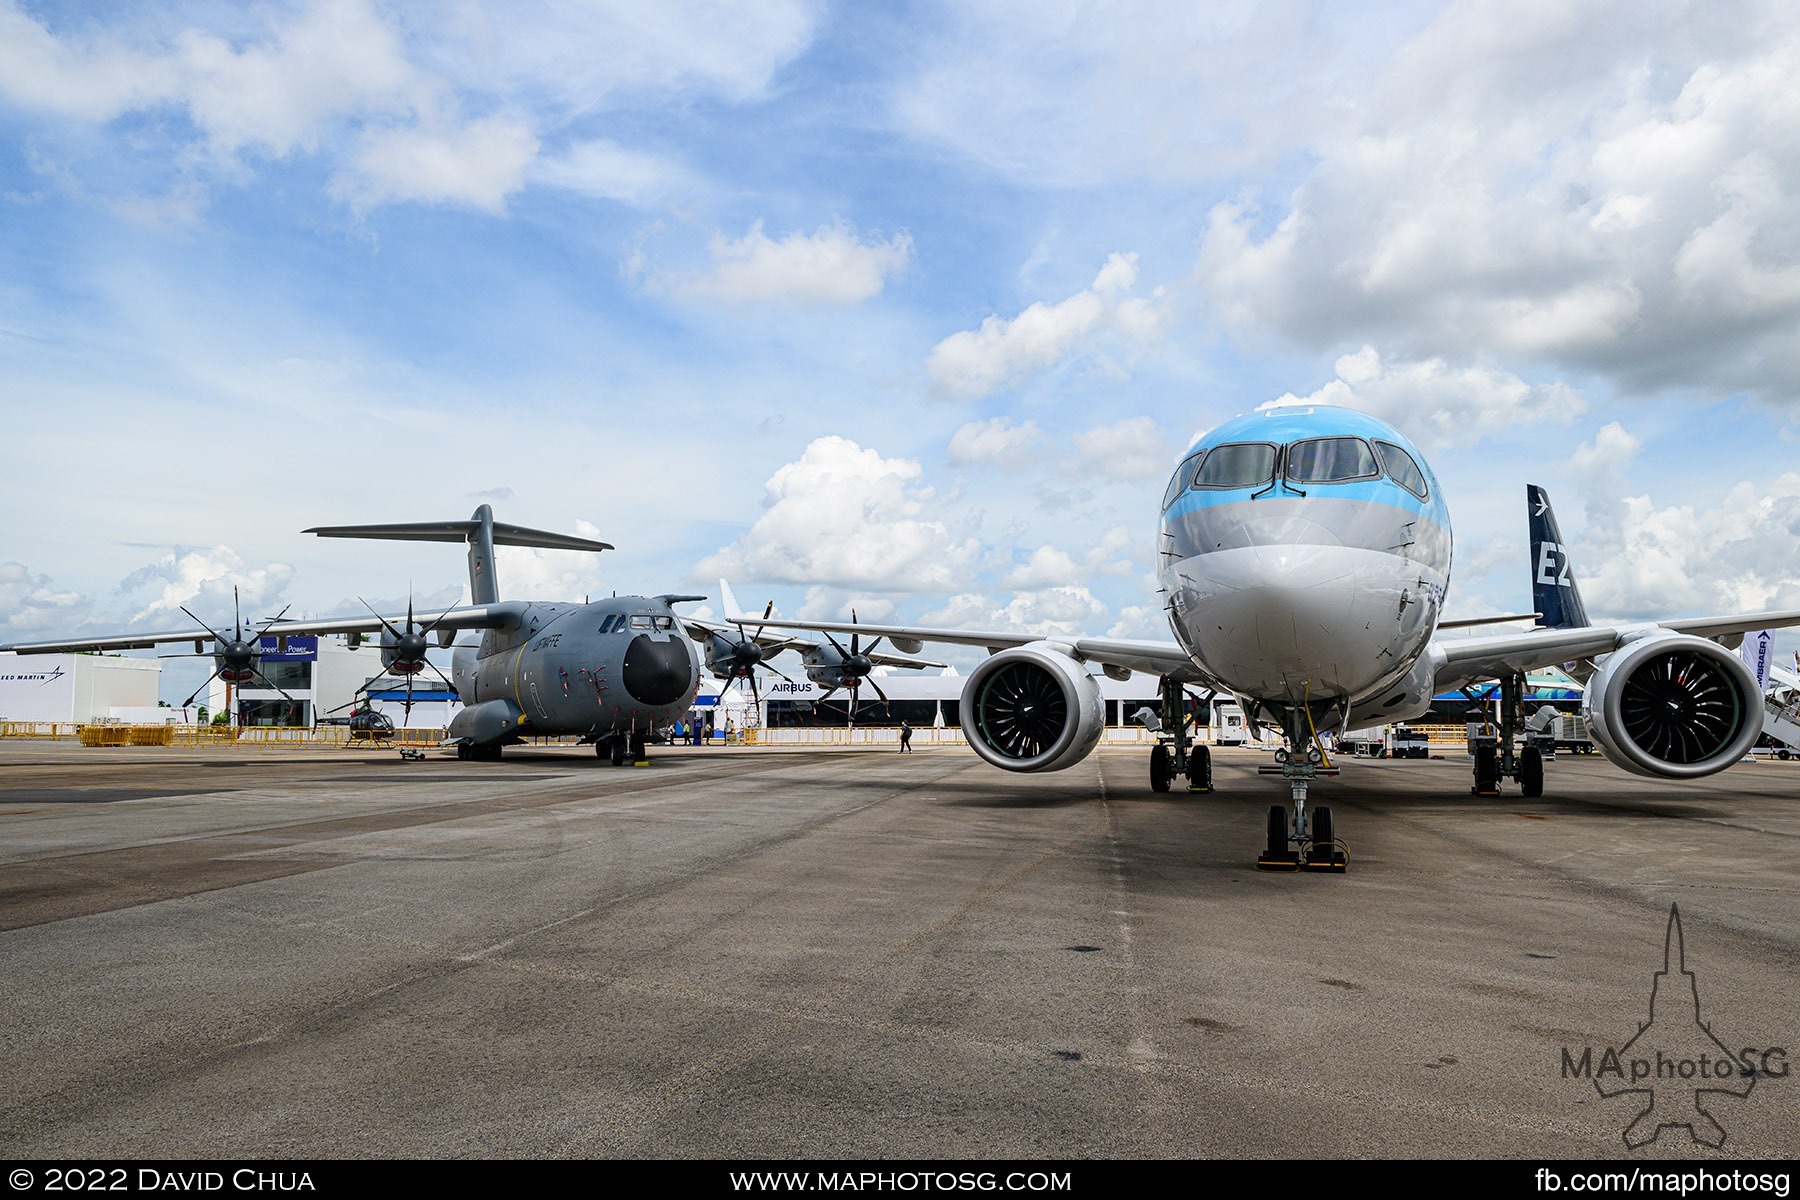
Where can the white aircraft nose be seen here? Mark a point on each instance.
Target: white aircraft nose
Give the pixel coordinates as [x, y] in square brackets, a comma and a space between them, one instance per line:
[1274, 619]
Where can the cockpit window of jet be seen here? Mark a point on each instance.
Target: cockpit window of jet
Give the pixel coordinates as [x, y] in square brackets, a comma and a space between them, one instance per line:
[1303, 558]
[1330, 460]
[1245, 464]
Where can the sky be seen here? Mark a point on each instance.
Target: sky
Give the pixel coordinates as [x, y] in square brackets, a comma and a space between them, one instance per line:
[907, 308]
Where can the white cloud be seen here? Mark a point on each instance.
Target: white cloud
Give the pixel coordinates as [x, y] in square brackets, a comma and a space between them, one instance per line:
[479, 164]
[377, 92]
[1133, 448]
[589, 56]
[1439, 405]
[608, 170]
[335, 59]
[31, 605]
[92, 79]
[843, 515]
[276, 93]
[1608, 454]
[996, 440]
[1567, 184]
[972, 363]
[566, 576]
[1061, 611]
[1650, 562]
[828, 266]
[1084, 95]
[1050, 566]
[1046, 567]
[214, 583]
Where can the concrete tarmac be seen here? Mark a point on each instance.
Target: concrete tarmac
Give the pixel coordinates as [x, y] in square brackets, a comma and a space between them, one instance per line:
[836, 955]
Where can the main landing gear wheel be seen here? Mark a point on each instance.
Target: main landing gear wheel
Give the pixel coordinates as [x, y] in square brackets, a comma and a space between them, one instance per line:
[1531, 771]
[1200, 770]
[462, 751]
[617, 751]
[640, 756]
[1276, 856]
[1323, 853]
[1162, 771]
[1487, 771]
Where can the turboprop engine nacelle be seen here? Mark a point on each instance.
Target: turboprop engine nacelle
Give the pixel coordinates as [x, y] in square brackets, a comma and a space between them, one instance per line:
[1033, 708]
[403, 654]
[1673, 706]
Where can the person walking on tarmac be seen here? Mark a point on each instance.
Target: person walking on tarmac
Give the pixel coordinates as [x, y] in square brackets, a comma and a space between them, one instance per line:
[905, 738]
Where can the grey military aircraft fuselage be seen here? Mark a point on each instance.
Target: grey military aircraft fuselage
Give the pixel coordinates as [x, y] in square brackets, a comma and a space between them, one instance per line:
[610, 671]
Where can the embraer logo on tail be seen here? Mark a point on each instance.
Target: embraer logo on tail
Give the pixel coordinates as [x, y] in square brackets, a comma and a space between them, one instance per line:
[1553, 565]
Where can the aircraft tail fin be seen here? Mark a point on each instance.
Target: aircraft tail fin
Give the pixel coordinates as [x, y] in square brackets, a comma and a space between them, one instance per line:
[1553, 591]
[732, 611]
[480, 531]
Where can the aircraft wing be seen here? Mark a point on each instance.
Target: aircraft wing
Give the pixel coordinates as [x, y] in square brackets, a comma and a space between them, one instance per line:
[501, 615]
[1463, 660]
[1156, 658]
[478, 616]
[774, 643]
[121, 641]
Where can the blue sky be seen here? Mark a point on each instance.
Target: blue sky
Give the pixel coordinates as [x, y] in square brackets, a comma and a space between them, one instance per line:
[906, 307]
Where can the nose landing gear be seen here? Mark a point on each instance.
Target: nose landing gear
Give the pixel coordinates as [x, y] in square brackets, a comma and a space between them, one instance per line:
[1297, 843]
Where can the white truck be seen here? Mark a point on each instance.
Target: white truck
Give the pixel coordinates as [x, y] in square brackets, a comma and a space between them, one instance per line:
[1385, 741]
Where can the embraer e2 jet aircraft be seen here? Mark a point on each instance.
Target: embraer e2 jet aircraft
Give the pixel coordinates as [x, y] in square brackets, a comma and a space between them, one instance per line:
[1303, 557]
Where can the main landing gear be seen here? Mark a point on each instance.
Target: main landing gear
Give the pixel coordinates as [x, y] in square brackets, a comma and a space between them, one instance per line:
[1496, 758]
[1173, 757]
[616, 747]
[1299, 841]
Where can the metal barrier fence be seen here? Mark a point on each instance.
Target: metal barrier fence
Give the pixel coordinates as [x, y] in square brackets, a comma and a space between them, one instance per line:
[1442, 738]
[58, 730]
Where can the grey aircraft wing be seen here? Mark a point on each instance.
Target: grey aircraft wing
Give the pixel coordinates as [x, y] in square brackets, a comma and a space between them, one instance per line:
[775, 643]
[1157, 658]
[479, 616]
[1459, 661]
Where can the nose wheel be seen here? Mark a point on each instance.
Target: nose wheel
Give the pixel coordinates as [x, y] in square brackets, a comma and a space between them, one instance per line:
[1298, 840]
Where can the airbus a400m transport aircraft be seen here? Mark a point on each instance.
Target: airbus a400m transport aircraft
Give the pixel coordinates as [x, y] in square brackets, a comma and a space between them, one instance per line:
[609, 671]
[1303, 556]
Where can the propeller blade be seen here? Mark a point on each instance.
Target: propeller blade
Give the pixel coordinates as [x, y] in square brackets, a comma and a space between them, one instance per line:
[272, 685]
[201, 688]
[274, 620]
[442, 676]
[217, 637]
[385, 623]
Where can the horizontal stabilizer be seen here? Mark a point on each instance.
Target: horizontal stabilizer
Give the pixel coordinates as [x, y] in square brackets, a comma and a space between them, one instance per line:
[459, 531]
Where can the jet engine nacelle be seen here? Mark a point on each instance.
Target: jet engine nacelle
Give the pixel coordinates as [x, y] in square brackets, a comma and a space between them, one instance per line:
[1674, 706]
[1033, 708]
